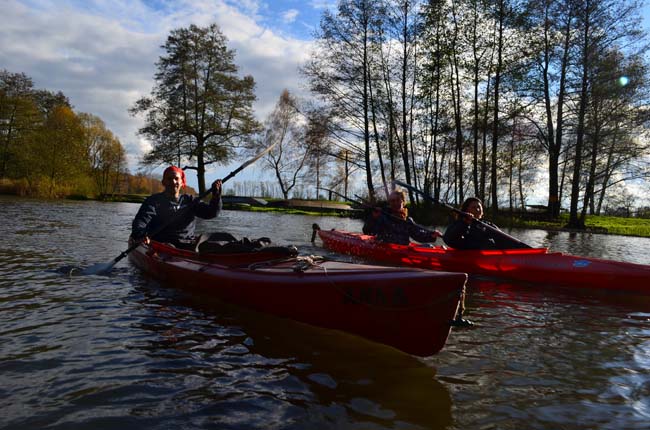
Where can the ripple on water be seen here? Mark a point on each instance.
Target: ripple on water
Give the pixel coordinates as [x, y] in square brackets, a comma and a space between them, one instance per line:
[122, 351]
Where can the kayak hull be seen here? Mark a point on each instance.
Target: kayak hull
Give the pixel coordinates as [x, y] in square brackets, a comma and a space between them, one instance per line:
[406, 308]
[529, 265]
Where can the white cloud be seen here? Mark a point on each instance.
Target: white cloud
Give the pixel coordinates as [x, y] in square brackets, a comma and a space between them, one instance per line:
[102, 55]
[323, 4]
[290, 15]
[248, 6]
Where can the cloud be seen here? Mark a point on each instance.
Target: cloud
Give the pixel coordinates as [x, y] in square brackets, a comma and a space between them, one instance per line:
[323, 4]
[251, 7]
[102, 55]
[96, 62]
[290, 15]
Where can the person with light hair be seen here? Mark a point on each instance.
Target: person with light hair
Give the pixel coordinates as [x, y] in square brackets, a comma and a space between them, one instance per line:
[392, 224]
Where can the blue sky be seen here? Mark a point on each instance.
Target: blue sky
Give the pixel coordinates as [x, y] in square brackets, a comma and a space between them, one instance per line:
[102, 53]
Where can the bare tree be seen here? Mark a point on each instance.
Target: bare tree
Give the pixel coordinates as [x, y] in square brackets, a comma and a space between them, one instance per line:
[340, 72]
[284, 128]
[603, 24]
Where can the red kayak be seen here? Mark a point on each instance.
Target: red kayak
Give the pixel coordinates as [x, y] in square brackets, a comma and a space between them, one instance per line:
[407, 308]
[530, 264]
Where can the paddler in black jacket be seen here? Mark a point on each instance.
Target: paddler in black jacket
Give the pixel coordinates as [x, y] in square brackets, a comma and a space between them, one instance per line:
[164, 209]
[465, 233]
[393, 224]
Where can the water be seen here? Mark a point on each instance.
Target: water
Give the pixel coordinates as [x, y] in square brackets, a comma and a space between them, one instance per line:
[125, 352]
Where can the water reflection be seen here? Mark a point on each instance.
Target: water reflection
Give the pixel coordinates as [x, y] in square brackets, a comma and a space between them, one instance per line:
[552, 358]
[297, 373]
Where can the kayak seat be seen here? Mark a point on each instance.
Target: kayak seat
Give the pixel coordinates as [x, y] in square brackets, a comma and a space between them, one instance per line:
[225, 243]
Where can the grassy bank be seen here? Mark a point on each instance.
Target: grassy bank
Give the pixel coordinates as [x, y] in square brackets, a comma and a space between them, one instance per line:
[597, 224]
[292, 211]
[593, 224]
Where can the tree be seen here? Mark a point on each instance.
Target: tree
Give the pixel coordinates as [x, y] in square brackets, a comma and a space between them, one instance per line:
[436, 119]
[57, 155]
[455, 80]
[18, 113]
[289, 156]
[340, 72]
[603, 24]
[402, 24]
[551, 24]
[615, 118]
[402, 94]
[500, 14]
[105, 153]
[143, 183]
[199, 109]
[318, 146]
[478, 34]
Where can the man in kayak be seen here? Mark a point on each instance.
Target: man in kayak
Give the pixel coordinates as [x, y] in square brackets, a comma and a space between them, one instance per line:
[465, 233]
[393, 224]
[173, 212]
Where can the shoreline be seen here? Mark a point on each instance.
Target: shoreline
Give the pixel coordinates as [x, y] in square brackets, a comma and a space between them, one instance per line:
[607, 225]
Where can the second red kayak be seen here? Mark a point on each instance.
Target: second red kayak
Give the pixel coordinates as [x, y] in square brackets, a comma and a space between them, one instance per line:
[531, 264]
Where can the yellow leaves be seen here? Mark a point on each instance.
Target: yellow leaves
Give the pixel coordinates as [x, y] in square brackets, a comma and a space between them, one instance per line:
[52, 149]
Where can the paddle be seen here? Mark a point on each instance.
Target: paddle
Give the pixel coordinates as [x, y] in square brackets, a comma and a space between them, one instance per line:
[103, 268]
[516, 243]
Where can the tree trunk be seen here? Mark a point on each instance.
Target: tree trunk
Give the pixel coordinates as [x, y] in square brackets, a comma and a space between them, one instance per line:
[607, 171]
[522, 199]
[477, 191]
[405, 140]
[553, 151]
[200, 166]
[555, 190]
[377, 142]
[484, 150]
[591, 179]
[456, 100]
[366, 121]
[574, 222]
[347, 175]
[495, 126]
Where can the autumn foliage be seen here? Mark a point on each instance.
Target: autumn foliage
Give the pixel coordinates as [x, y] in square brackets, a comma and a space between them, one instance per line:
[49, 150]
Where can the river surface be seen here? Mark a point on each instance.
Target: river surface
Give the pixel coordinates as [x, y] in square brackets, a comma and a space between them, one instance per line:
[124, 352]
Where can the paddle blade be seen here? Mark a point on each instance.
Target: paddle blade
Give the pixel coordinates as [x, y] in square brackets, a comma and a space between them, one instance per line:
[98, 269]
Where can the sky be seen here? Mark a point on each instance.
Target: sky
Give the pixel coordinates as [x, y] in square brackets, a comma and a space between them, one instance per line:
[102, 53]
